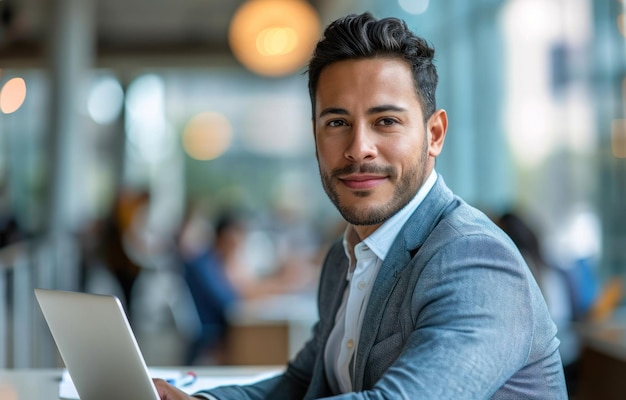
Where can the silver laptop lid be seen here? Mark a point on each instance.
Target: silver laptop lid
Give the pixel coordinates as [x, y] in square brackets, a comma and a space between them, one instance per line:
[97, 345]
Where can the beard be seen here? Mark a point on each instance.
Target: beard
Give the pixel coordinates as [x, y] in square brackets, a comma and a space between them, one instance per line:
[404, 191]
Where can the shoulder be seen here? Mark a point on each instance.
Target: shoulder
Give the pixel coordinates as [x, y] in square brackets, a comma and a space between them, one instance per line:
[467, 253]
[469, 230]
[444, 217]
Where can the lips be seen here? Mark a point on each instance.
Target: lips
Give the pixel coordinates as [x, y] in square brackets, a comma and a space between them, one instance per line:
[361, 181]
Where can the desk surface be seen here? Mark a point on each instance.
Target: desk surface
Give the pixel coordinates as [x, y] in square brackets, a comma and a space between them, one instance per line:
[43, 384]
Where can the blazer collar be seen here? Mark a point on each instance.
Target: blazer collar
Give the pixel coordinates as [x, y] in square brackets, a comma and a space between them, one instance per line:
[424, 219]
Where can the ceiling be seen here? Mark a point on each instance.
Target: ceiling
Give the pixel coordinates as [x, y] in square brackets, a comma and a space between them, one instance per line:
[170, 31]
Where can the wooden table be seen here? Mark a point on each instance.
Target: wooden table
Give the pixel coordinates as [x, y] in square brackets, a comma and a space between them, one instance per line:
[602, 371]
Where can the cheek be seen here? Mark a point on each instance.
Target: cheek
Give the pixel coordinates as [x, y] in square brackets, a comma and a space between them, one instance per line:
[327, 153]
[325, 168]
[403, 153]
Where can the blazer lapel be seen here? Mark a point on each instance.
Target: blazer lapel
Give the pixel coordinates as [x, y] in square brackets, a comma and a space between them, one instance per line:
[405, 246]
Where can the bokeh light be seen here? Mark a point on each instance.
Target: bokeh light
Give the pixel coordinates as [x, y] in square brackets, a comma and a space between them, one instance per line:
[276, 41]
[105, 100]
[148, 131]
[414, 6]
[12, 95]
[274, 37]
[207, 136]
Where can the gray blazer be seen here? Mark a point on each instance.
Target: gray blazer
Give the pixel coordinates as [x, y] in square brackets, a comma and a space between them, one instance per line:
[454, 314]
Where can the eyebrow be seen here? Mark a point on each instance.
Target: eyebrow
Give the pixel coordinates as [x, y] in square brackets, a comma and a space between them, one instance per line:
[333, 110]
[385, 108]
[373, 110]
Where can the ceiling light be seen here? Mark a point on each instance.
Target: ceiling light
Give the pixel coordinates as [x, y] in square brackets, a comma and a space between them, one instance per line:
[12, 95]
[274, 37]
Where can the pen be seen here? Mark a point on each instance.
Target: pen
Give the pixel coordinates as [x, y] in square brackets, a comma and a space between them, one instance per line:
[185, 380]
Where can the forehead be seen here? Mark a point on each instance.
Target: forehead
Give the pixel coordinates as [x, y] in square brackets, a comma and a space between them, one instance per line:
[380, 79]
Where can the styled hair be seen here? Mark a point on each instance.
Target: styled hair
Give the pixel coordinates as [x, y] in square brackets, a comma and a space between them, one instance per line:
[363, 36]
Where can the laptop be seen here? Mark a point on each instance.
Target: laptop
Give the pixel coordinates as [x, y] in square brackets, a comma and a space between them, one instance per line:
[97, 345]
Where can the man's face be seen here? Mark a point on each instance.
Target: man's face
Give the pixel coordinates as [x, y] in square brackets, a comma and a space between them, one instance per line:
[371, 140]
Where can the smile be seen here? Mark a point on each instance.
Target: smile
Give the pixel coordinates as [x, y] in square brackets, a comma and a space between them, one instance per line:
[360, 182]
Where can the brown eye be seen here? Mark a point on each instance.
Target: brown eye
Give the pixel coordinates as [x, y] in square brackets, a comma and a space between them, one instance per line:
[335, 123]
[387, 122]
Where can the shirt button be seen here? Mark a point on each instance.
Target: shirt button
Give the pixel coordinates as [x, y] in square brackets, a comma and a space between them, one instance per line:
[361, 285]
[350, 344]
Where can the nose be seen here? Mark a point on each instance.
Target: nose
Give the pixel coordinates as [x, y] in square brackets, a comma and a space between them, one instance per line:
[361, 145]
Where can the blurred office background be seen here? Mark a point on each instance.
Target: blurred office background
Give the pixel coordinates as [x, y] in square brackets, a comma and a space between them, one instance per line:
[127, 127]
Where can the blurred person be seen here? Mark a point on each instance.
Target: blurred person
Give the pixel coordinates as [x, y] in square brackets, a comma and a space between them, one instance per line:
[218, 279]
[423, 297]
[556, 287]
[112, 247]
[295, 243]
[10, 229]
[526, 241]
[574, 248]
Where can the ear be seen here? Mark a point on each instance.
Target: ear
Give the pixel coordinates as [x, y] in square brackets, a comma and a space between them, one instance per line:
[436, 129]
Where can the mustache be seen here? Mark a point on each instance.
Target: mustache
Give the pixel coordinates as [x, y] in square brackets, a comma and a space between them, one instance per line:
[364, 169]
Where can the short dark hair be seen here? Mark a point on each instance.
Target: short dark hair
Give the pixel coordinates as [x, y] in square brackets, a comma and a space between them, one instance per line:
[363, 36]
[227, 220]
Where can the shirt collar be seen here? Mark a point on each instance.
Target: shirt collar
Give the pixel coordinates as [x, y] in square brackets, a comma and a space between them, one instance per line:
[381, 239]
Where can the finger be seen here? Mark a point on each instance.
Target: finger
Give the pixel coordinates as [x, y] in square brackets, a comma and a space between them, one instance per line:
[163, 389]
[168, 392]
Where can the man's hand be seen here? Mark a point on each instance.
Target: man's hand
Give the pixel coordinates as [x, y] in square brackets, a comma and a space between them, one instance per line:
[169, 392]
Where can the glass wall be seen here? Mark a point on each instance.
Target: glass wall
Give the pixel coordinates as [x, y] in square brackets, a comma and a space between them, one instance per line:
[534, 94]
[533, 90]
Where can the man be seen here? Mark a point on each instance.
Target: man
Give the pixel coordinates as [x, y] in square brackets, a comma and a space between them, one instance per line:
[424, 298]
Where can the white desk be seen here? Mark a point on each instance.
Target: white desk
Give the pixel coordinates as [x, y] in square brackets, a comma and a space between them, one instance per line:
[26, 384]
[43, 384]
